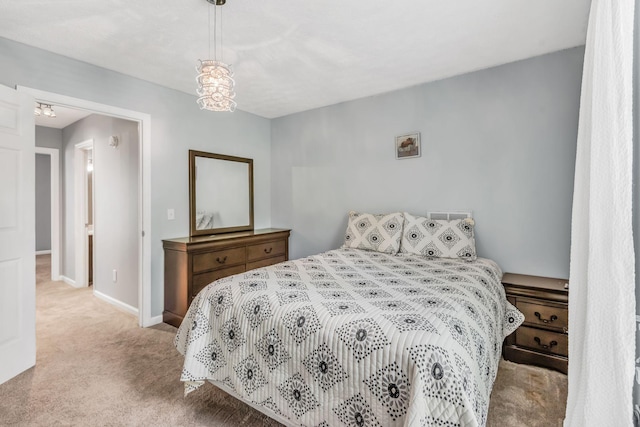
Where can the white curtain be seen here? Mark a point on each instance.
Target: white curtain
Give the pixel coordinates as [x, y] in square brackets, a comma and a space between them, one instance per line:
[602, 281]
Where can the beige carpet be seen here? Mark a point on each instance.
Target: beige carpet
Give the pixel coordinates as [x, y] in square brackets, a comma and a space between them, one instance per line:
[95, 367]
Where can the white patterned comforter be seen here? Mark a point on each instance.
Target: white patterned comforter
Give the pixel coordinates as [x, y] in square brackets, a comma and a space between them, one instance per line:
[356, 338]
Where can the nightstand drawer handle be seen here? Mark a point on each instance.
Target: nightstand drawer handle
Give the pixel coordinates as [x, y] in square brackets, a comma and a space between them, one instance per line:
[551, 344]
[221, 261]
[268, 251]
[549, 320]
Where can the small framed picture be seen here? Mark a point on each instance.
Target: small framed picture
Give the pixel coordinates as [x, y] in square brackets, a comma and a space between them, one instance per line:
[408, 146]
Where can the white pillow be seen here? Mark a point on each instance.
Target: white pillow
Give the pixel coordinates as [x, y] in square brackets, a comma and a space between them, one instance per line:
[439, 238]
[381, 233]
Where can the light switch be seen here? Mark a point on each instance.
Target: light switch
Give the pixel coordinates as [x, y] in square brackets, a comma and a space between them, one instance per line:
[171, 214]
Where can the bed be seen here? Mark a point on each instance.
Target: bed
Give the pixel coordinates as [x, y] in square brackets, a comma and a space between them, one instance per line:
[354, 337]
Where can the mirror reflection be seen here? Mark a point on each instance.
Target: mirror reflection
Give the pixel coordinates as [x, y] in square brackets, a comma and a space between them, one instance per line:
[221, 193]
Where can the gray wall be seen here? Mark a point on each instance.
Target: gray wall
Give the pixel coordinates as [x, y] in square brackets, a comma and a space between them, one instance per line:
[177, 125]
[500, 142]
[48, 138]
[115, 203]
[43, 202]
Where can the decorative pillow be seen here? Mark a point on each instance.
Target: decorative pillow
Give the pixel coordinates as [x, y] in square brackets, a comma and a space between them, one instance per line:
[381, 233]
[439, 238]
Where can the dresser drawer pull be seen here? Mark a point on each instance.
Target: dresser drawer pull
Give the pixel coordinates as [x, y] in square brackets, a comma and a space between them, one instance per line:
[551, 344]
[268, 251]
[549, 320]
[221, 261]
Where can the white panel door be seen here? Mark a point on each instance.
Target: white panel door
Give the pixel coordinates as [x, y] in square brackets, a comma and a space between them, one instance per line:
[17, 234]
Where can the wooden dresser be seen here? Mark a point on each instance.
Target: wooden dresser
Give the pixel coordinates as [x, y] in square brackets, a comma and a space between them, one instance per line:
[191, 263]
[543, 338]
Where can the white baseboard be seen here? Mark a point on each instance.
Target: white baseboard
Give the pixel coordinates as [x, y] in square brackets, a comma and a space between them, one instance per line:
[153, 321]
[115, 302]
[45, 252]
[68, 281]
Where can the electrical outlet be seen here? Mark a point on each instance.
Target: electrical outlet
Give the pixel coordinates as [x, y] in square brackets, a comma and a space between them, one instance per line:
[115, 276]
[171, 214]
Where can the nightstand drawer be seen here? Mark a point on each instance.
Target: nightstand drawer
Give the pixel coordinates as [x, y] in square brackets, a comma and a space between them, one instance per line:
[266, 250]
[218, 259]
[545, 315]
[541, 340]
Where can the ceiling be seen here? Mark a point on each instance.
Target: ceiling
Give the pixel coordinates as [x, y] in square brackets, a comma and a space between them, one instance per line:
[64, 117]
[293, 55]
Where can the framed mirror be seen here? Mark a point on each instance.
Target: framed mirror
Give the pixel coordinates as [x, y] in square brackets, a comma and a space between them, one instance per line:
[220, 193]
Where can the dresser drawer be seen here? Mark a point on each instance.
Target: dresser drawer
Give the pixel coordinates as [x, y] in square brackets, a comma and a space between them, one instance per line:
[200, 281]
[266, 250]
[191, 263]
[541, 340]
[546, 315]
[266, 262]
[218, 259]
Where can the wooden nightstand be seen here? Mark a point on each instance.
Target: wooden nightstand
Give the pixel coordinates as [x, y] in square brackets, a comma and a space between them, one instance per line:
[543, 338]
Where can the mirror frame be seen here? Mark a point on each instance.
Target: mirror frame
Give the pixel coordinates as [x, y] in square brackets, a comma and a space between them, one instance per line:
[193, 154]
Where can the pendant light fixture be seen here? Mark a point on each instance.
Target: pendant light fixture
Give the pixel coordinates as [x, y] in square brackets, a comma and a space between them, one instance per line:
[215, 78]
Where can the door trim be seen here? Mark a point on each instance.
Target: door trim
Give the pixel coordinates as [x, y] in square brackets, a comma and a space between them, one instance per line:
[80, 212]
[144, 187]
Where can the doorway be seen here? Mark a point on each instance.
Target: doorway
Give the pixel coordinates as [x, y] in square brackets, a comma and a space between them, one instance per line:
[144, 182]
[53, 157]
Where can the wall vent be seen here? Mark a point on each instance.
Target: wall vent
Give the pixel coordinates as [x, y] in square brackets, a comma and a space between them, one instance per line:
[449, 215]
